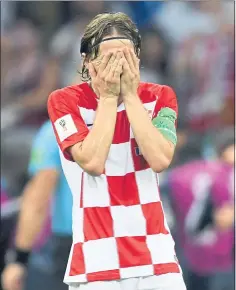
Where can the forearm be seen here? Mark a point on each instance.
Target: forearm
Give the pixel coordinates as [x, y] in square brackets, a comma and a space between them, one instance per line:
[32, 217]
[30, 225]
[156, 149]
[94, 149]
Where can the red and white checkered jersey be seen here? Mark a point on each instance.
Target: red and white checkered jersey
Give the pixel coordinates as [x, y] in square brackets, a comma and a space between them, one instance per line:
[119, 227]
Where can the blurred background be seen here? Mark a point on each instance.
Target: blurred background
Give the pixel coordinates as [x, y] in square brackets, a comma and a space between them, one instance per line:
[187, 45]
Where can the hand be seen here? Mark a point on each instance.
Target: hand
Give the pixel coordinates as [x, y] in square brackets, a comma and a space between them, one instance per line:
[130, 77]
[13, 276]
[106, 76]
[224, 217]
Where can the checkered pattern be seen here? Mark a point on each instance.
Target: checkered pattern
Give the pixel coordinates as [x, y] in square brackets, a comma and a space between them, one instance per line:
[119, 228]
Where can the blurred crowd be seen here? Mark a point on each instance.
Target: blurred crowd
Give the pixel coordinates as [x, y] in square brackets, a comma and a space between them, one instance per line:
[185, 44]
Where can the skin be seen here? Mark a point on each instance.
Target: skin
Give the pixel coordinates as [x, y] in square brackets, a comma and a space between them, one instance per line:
[115, 78]
[228, 155]
[33, 213]
[92, 153]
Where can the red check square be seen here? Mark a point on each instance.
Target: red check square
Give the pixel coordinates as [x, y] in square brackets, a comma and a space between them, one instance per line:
[94, 217]
[130, 257]
[77, 266]
[139, 162]
[154, 216]
[123, 190]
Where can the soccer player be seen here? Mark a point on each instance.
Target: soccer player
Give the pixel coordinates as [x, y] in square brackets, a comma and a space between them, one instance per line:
[115, 134]
[47, 182]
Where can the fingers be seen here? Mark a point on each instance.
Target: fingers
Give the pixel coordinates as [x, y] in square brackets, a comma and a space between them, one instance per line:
[132, 59]
[135, 59]
[109, 65]
[96, 62]
[125, 67]
[104, 62]
[92, 71]
[129, 59]
[119, 69]
[116, 69]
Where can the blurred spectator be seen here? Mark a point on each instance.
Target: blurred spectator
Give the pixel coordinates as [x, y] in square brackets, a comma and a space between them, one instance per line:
[181, 20]
[47, 181]
[46, 15]
[15, 151]
[8, 15]
[140, 11]
[154, 55]
[27, 78]
[201, 65]
[201, 194]
[65, 43]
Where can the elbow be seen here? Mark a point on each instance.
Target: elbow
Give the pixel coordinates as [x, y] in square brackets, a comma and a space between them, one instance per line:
[93, 168]
[160, 164]
[91, 165]
[94, 171]
[160, 160]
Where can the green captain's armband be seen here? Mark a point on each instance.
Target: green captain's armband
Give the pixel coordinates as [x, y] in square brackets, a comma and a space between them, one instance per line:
[165, 123]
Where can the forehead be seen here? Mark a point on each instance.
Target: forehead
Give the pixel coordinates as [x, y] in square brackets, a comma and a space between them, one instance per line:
[114, 44]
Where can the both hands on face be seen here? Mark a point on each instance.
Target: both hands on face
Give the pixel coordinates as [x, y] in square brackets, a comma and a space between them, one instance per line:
[115, 74]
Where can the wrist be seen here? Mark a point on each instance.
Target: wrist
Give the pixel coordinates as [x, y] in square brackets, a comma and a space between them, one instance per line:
[108, 100]
[19, 256]
[130, 98]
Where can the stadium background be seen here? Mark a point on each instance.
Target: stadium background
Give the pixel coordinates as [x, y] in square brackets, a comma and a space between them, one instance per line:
[187, 45]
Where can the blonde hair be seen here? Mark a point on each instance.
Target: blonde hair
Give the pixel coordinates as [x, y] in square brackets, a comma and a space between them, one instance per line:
[104, 25]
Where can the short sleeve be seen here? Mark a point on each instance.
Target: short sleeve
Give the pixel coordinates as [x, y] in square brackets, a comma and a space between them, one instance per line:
[165, 114]
[44, 152]
[68, 124]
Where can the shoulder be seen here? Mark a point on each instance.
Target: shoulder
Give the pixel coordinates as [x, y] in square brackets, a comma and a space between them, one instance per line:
[152, 91]
[76, 94]
[68, 93]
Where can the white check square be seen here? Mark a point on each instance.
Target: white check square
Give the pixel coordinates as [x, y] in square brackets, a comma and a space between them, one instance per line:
[161, 248]
[101, 255]
[147, 183]
[119, 155]
[128, 221]
[95, 191]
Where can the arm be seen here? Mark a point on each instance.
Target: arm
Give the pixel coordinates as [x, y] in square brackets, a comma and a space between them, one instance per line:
[157, 138]
[90, 148]
[223, 205]
[224, 217]
[91, 154]
[155, 147]
[34, 208]
[44, 169]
